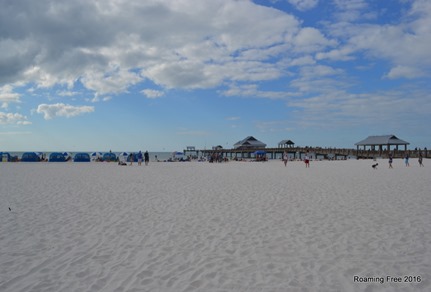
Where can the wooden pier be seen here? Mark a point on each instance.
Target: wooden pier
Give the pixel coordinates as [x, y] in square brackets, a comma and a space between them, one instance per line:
[313, 152]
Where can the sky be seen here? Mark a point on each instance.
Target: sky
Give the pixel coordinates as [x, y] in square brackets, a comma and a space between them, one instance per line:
[160, 75]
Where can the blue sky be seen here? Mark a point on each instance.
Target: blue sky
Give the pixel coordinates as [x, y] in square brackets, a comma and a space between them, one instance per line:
[161, 75]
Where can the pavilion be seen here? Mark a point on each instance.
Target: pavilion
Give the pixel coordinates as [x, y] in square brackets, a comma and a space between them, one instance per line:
[286, 144]
[380, 141]
[249, 143]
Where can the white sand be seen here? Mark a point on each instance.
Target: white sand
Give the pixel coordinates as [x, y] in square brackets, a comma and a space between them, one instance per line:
[214, 227]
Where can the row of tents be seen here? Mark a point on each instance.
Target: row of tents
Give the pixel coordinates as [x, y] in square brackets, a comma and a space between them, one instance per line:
[66, 156]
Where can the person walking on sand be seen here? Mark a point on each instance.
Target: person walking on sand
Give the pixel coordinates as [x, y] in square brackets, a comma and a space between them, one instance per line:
[285, 157]
[146, 157]
[131, 157]
[307, 161]
[406, 160]
[420, 160]
[140, 158]
[390, 161]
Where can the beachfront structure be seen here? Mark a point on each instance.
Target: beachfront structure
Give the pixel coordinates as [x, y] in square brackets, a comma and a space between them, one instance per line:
[382, 141]
[249, 143]
[286, 144]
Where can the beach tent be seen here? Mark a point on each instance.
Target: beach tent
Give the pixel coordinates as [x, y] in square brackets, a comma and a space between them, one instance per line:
[82, 157]
[30, 157]
[67, 155]
[178, 155]
[4, 157]
[96, 156]
[260, 155]
[57, 157]
[109, 157]
[122, 157]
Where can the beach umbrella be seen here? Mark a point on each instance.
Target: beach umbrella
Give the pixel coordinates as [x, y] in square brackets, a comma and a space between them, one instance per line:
[96, 155]
[123, 156]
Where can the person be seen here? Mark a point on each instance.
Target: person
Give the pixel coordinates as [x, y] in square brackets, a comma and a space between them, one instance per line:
[285, 157]
[140, 158]
[406, 160]
[146, 157]
[420, 160]
[131, 158]
[307, 161]
[390, 161]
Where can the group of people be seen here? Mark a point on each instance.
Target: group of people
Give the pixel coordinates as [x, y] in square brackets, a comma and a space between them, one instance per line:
[306, 159]
[406, 160]
[139, 157]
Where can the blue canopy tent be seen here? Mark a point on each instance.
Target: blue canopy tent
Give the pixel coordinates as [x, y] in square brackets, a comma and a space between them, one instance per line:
[5, 157]
[57, 157]
[30, 157]
[82, 157]
[109, 157]
[260, 155]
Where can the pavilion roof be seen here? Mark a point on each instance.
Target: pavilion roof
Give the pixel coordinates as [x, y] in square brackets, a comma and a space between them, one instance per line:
[382, 140]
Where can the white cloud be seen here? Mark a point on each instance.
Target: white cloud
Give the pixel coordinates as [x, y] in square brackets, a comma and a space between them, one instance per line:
[51, 111]
[338, 108]
[303, 5]
[404, 44]
[13, 119]
[67, 93]
[7, 96]
[151, 93]
[404, 72]
[114, 81]
[195, 46]
[310, 39]
[232, 118]
[252, 90]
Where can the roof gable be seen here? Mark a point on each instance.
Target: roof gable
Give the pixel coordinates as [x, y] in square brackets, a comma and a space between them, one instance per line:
[249, 141]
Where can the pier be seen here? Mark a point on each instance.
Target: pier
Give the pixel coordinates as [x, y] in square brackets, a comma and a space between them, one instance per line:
[313, 152]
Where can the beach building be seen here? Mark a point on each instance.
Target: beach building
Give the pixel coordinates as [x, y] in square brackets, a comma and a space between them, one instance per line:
[286, 144]
[249, 143]
[378, 142]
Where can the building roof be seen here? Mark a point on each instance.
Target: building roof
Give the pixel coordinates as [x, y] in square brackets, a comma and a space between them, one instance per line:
[249, 142]
[382, 140]
[284, 142]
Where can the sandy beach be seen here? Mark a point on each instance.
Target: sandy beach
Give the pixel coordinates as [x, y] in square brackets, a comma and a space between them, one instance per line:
[237, 226]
